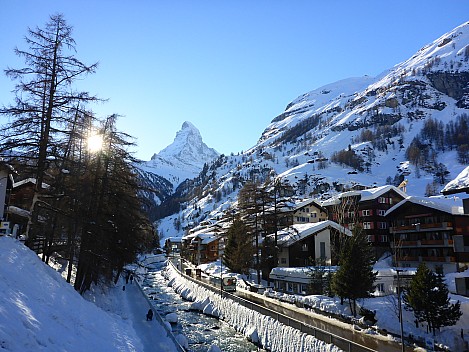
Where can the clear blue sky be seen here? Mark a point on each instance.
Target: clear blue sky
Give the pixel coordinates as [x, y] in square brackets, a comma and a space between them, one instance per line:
[229, 67]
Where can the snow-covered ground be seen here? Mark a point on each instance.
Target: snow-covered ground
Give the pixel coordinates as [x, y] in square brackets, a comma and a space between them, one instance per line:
[40, 311]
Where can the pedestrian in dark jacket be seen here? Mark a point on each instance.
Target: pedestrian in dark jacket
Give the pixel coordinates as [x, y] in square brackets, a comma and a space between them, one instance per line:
[150, 314]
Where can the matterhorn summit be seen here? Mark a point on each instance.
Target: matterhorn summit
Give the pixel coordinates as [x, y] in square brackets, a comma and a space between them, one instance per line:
[184, 158]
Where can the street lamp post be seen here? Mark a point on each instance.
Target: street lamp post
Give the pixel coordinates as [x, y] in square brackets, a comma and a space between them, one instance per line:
[400, 307]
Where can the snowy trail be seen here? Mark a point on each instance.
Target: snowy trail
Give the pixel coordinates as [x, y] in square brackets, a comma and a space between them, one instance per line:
[152, 334]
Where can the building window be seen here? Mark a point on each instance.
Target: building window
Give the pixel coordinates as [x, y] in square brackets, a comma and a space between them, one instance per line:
[283, 260]
[383, 238]
[322, 250]
[382, 200]
[367, 225]
[304, 247]
[380, 287]
[366, 212]
[383, 225]
[282, 285]
[381, 212]
[351, 214]
[314, 215]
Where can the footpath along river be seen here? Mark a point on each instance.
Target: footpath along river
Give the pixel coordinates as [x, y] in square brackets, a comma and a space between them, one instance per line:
[201, 330]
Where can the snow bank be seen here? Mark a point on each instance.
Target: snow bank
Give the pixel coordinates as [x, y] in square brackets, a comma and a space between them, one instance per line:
[39, 311]
[171, 318]
[267, 331]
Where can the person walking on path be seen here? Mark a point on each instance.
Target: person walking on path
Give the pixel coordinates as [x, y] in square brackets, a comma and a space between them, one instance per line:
[150, 314]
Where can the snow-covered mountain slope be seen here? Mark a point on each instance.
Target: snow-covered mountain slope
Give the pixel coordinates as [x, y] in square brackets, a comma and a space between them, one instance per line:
[183, 159]
[411, 122]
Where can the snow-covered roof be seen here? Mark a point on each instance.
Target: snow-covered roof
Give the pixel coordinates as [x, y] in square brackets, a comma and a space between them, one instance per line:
[208, 238]
[391, 272]
[188, 236]
[29, 180]
[174, 239]
[18, 211]
[298, 273]
[297, 232]
[459, 184]
[366, 194]
[205, 237]
[300, 204]
[450, 205]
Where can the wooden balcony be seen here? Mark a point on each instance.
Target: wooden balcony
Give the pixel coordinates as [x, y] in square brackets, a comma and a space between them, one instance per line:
[432, 242]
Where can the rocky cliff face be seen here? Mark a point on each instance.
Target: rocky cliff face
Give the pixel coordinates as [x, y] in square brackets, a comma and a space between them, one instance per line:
[455, 85]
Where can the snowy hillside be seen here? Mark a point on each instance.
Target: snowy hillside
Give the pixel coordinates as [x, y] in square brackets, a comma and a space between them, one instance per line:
[39, 311]
[182, 159]
[411, 122]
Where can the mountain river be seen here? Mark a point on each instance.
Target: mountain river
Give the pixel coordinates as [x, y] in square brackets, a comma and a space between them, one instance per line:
[201, 330]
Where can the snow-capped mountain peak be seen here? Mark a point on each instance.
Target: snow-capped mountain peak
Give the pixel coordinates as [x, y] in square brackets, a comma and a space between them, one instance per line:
[187, 146]
[182, 159]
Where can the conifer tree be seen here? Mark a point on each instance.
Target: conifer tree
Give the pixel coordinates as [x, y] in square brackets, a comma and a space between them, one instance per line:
[428, 297]
[355, 277]
[45, 95]
[250, 206]
[239, 249]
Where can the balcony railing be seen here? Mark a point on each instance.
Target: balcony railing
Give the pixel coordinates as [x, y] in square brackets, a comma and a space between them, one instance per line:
[446, 259]
[418, 227]
[423, 243]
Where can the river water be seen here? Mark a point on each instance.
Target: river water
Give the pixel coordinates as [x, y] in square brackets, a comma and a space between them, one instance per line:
[201, 330]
